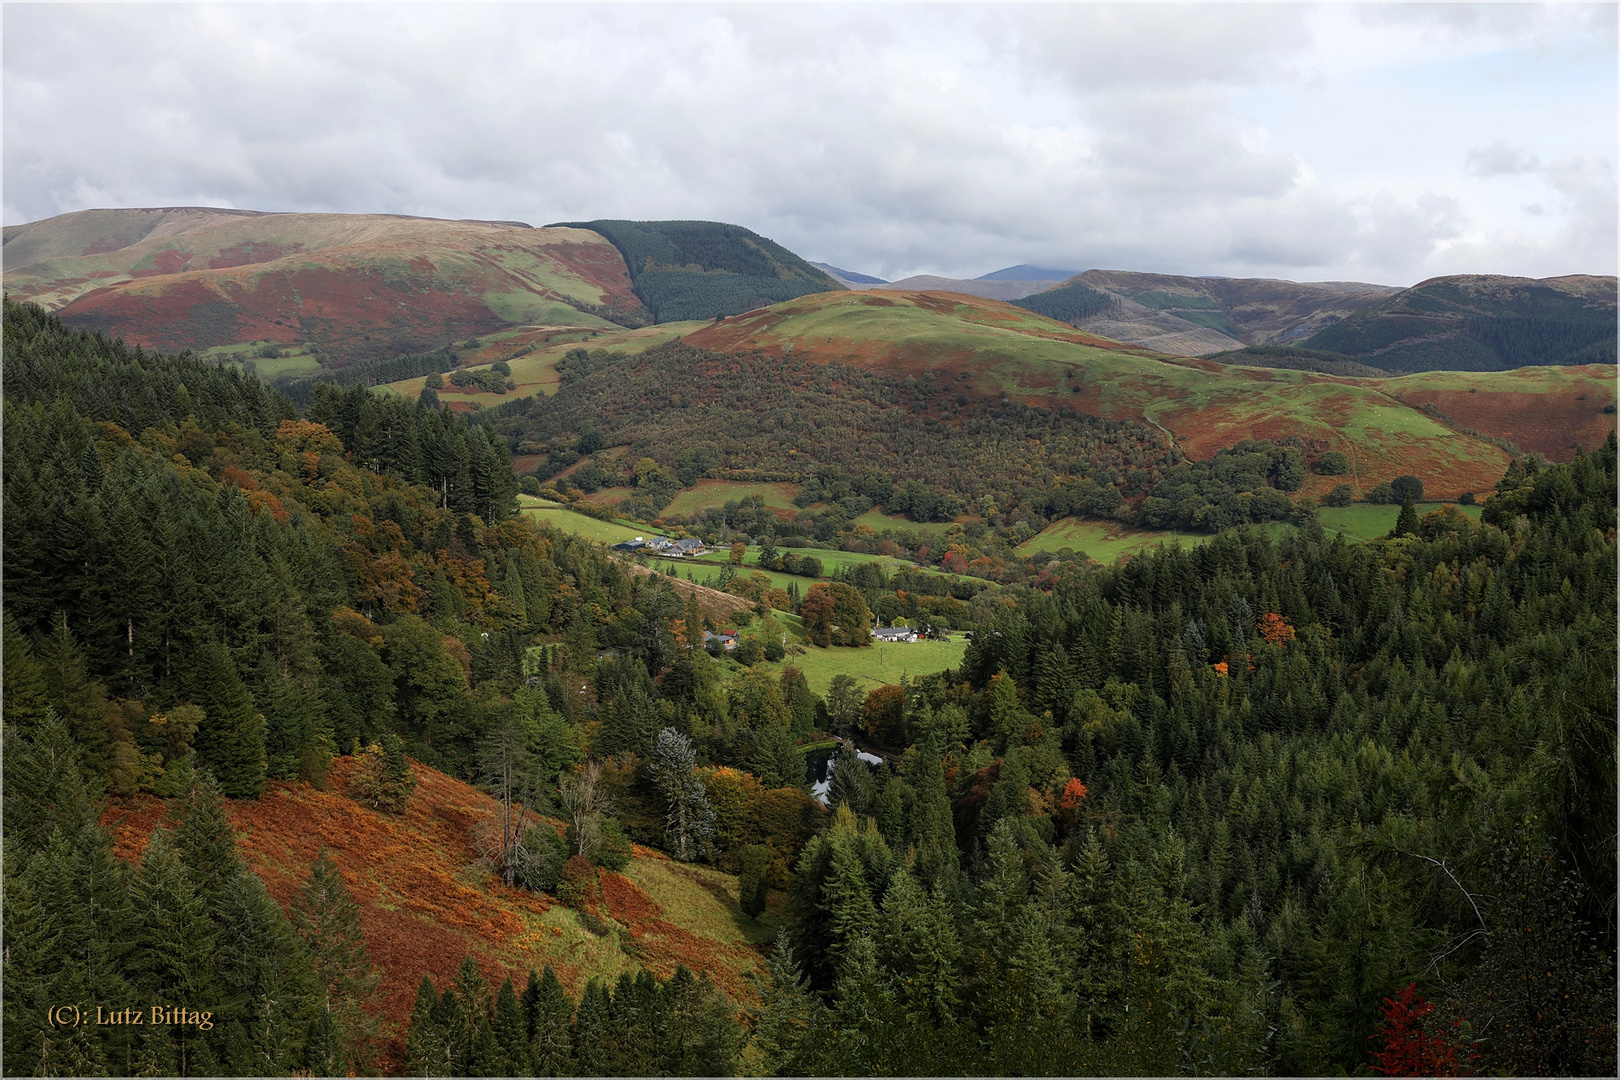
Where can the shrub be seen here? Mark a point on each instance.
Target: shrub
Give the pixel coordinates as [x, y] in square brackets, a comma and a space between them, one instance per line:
[547, 853]
[578, 885]
[1339, 496]
[1332, 463]
[753, 883]
[614, 854]
[1466, 498]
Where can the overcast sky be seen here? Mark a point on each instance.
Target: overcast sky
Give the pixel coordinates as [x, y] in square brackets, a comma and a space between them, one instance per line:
[1374, 143]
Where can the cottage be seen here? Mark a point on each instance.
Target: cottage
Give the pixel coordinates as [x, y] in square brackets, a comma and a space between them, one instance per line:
[727, 639]
[895, 633]
[691, 547]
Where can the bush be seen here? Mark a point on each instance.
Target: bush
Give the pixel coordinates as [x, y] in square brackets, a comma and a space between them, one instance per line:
[578, 885]
[614, 854]
[542, 871]
[1466, 498]
[774, 650]
[749, 652]
[1339, 496]
[1383, 494]
[529, 485]
[1332, 463]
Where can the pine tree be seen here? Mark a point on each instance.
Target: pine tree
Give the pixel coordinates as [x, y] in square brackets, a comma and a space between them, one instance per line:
[80, 701]
[265, 974]
[44, 789]
[851, 782]
[509, 1031]
[546, 1002]
[230, 741]
[792, 1029]
[25, 694]
[327, 919]
[931, 829]
[427, 1044]
[206, 843]
[1407, 523]
[174, 955]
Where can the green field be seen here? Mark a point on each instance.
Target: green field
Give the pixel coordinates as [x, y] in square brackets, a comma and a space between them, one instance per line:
[1104, 541]
[560, 517]
[877, 665]
[713, 493]
[1368, 521]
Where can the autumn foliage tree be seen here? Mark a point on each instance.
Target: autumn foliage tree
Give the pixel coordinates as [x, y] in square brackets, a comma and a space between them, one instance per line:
[1414, 1047]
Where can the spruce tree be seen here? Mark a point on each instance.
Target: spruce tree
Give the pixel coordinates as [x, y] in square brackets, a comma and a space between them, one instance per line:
[427, 1044]
[265, 974]
[230, 741]
[327, 919]
[509, 1031]
[80, 701]
[851, 782]
[549, 1045]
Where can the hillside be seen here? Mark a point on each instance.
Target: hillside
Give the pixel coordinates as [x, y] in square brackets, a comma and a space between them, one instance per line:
[425, 902]
[706, 269]
[1480, 322]
[320, 288]
[1195, 316]
[1007, 352]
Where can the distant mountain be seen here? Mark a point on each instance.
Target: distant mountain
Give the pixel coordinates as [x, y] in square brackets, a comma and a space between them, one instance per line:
[1000, 289]
[1026, 272]
[1480, 322]
[1196, 316]
[332, 288]
[706, 269]
[849, 277]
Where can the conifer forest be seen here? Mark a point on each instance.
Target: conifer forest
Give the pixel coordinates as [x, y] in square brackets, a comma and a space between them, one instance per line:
[1275, 804]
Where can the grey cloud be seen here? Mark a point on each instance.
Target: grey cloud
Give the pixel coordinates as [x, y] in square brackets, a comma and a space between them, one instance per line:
[890, 140]
[1500, 159]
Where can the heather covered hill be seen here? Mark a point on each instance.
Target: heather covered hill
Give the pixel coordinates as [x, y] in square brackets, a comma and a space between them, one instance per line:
[328, 288]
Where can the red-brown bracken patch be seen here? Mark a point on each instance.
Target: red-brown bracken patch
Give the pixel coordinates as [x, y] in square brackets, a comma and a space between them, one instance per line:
[1549, 422]
[425, 900]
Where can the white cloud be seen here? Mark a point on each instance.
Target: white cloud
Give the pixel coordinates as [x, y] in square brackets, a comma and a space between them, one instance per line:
[1275, 140]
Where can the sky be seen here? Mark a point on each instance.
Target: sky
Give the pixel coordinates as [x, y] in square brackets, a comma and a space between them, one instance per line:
[1383, 143]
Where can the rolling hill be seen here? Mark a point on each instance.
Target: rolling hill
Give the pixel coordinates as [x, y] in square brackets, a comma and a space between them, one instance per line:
[952, 364]
[1459, 323]
[333, 288]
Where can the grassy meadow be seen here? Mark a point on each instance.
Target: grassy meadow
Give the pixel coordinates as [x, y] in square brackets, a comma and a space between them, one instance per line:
[1103, 541]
